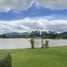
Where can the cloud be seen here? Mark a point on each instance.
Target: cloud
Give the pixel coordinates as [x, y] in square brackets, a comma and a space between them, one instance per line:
[29, 24]
[53, 4]
[6, 5]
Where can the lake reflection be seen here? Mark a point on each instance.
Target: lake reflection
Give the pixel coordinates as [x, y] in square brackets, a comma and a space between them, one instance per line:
[25, 43]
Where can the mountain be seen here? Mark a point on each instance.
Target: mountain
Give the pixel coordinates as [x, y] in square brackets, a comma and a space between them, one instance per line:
[17, 33]
[13, 33]
[63, 34]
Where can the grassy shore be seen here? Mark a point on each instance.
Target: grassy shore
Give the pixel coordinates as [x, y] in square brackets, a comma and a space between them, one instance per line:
[47, 57]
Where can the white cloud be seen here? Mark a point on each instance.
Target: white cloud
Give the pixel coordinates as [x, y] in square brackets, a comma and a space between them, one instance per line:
[29, 24]
[14, 4]
[23, 4]
[53, 4]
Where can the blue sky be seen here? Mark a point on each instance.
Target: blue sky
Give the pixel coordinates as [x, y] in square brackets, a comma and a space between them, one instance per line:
[33, 11]
[27, 15]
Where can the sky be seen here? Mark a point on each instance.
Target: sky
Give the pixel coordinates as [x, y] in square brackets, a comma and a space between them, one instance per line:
[27, 15]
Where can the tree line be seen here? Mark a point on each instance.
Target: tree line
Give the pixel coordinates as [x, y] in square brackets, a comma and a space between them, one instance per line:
[37, 33]
[44, 34]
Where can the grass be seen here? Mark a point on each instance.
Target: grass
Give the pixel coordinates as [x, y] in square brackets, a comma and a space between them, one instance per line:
[47, 57]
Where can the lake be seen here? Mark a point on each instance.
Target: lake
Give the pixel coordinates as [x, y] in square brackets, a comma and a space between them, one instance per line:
[18, 43]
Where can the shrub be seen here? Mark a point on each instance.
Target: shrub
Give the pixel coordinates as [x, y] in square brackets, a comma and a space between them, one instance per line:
[42, 43]
[5, 61]
[32, 43]
[46, 44]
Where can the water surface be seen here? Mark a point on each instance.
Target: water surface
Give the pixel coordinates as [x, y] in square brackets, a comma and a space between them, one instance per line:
[14, 43]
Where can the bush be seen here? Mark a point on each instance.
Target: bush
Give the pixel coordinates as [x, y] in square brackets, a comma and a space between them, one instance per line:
[5, 61]
[42, 43]
[32, 43]
[46, 44]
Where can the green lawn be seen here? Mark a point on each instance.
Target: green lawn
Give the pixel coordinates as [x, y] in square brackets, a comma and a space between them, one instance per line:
[47, 57]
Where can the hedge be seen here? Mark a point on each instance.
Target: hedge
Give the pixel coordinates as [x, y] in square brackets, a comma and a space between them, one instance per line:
[5, 60]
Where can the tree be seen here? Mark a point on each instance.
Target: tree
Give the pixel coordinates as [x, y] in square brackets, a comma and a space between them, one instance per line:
[52, 34]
